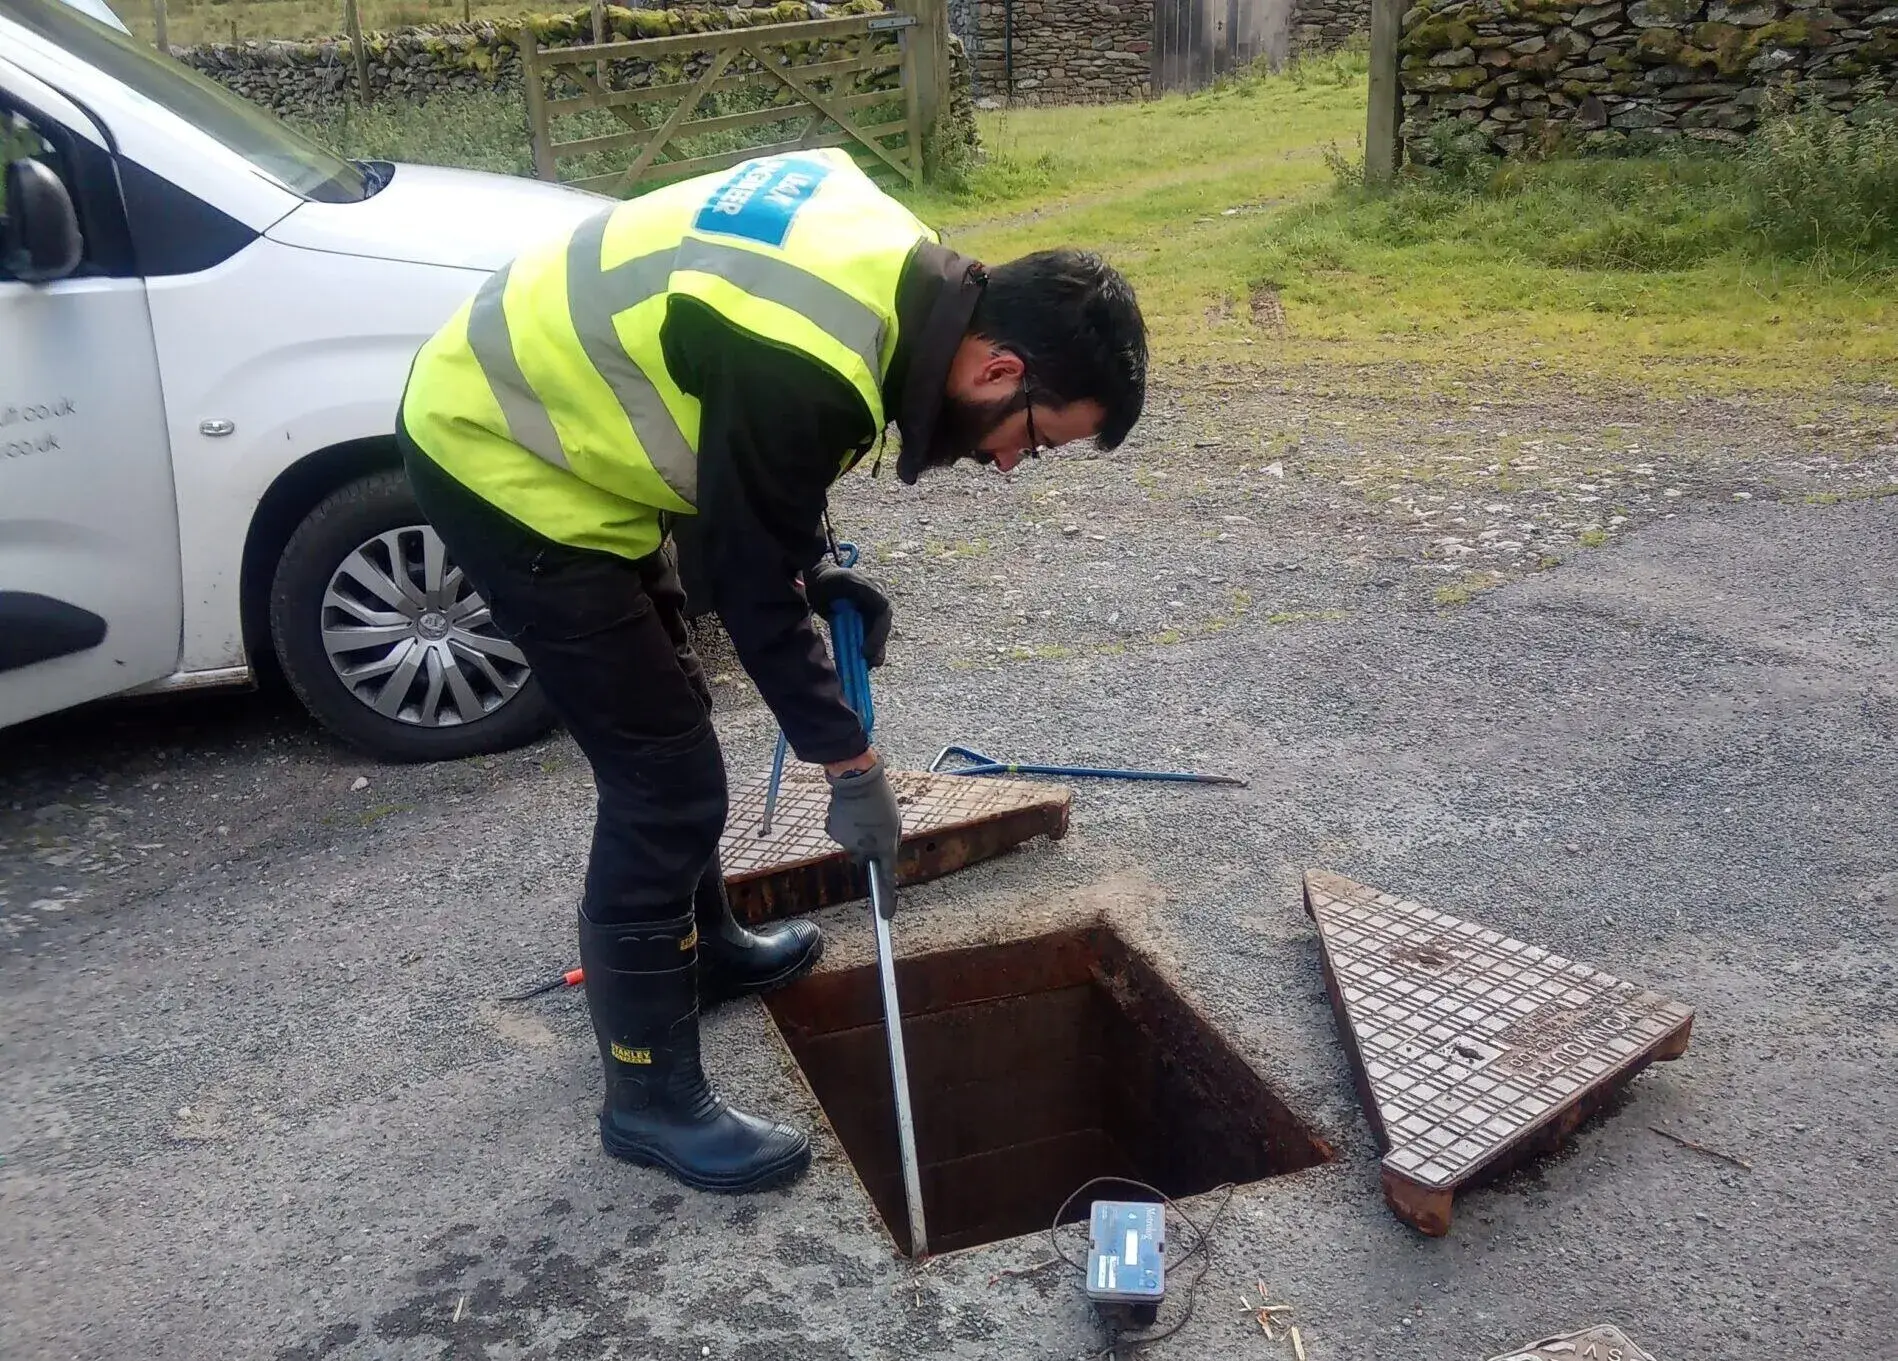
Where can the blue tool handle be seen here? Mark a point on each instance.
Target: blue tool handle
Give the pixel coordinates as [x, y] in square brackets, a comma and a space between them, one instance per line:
[1112, 773]
[846, 649]
[777, 780]
[846, 646]
[979, 763]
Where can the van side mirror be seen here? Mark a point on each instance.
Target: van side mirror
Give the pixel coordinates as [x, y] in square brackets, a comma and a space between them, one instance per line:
[41, 241]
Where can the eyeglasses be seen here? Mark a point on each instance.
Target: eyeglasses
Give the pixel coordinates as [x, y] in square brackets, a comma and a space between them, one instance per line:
[1035, 442]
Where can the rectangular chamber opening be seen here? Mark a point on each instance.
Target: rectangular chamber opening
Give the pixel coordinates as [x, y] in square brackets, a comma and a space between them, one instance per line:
[1034, 1066]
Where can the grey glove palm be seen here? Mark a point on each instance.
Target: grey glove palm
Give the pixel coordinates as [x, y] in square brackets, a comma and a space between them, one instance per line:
[864, 817]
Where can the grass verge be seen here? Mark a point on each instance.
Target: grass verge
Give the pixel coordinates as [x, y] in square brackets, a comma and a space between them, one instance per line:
[1225, 208]
[1666, 273]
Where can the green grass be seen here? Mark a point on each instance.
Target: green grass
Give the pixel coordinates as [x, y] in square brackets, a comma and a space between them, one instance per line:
[1160, 187]
[1657, 272]
[1248, 254]
[479, 131]
[1752, 271]
[1466, 588]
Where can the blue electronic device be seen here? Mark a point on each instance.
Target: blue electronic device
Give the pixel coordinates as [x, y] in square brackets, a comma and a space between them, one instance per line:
[1126, 1260]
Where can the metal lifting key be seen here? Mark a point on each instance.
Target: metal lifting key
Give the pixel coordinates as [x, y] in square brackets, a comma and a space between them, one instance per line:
[853, 672]
[882, 908]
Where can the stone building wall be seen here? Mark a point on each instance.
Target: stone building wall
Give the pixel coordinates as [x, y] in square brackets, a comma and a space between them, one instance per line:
[1065, 51]
[964, 22]
[1530, 73]
[1098, 51]
[1321, 25]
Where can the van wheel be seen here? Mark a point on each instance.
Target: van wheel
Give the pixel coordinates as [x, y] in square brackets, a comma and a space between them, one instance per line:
[385, 641]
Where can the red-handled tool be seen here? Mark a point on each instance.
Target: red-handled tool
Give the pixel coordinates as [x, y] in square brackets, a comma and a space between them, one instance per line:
[571, 978]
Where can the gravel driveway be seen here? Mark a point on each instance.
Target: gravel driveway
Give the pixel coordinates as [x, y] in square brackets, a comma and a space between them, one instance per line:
[1616, 677]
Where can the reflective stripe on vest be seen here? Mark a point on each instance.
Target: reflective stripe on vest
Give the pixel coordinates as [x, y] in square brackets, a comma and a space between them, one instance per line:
[557, 360]
[527, 419]
[842, 317]
[594, 296]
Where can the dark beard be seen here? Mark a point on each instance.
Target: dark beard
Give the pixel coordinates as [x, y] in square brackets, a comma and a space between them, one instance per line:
[962, 426]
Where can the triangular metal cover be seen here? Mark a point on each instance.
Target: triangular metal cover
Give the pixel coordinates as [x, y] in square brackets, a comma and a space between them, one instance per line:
[1472, 1050]
[949, 823]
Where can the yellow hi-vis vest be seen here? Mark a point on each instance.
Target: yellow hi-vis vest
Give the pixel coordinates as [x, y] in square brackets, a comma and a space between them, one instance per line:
[547, 394]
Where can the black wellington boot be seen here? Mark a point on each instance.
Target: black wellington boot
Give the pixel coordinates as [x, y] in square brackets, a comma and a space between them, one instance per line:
[641, 983]
[735, 960]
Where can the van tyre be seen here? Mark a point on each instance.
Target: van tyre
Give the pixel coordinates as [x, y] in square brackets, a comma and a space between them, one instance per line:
[386, 643]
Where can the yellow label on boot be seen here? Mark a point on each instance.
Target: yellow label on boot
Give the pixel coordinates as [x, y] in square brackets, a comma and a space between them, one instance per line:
[692, 939]
[627, 1054]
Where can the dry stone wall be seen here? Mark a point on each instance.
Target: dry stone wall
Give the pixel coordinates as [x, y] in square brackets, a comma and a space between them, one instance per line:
[1529, 74]
[416, 63]
[957, 125]
[423, 63]
[1064, 51]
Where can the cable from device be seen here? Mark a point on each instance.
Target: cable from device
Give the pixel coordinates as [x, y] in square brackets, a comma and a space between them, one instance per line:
[1199, 1244]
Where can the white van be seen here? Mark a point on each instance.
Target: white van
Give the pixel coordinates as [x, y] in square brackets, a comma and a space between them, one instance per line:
[205, 325]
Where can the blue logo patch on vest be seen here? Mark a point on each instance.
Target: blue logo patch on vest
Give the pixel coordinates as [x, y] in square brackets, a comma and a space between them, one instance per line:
[760, 201]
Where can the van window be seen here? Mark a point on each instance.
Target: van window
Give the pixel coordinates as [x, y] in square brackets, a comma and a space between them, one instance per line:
[282, 156]
[20, 140]
[91, 178]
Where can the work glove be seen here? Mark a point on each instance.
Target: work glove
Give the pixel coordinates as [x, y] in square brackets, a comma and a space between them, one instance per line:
[864, 818]
[827, 583]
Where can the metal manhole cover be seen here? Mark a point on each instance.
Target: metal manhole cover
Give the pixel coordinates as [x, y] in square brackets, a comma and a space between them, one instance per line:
[949, 822]
[1603, 1342]
[1473, 1051]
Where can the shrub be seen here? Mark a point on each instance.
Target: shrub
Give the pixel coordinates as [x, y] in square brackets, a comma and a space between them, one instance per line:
[1823, 184]
[1459, 155]
[1347, 168]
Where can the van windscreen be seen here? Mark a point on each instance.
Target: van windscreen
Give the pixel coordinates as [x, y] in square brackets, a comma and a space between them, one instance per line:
[273, 150]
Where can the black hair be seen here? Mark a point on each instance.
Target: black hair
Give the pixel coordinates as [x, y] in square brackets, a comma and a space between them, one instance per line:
[1073, 320]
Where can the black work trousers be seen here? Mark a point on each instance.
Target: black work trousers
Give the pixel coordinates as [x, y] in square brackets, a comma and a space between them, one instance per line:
[606, 638]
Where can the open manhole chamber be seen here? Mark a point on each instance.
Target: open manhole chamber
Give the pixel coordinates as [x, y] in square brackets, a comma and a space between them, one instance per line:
[1034, 1066]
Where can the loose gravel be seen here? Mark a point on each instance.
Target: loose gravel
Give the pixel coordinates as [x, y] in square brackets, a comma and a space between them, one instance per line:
[1615, 676]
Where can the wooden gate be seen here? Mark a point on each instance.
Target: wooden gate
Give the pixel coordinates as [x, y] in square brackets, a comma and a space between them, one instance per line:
[870, 83]
[1197, 41]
